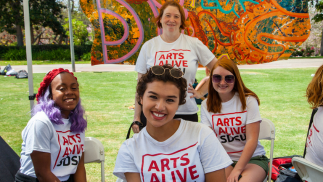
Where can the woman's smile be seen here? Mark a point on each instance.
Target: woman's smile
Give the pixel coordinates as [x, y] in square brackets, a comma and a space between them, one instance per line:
[158, 115]
[160, 103]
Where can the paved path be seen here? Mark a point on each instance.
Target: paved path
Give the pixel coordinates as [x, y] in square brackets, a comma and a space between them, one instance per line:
[291, 63]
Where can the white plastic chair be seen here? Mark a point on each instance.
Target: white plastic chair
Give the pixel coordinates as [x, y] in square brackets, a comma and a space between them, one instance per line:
[307, 170]
[94, 152]
[267, 132]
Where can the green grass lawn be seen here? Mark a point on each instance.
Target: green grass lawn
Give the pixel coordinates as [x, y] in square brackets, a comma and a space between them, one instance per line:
[41, 62]
[106, 97]
[44, 62]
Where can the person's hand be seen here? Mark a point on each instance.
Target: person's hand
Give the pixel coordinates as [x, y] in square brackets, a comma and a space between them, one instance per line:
[135, 128]
[195, 93]
[234, 176]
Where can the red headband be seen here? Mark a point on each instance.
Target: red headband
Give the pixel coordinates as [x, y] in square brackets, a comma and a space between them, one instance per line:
[48, 79]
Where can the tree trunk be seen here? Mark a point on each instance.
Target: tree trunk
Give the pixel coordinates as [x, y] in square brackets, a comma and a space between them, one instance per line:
[32, 36]
[322, 44]
[54, 40]
[39, 36]
[20, 37]
[72, 6]
[60, 40]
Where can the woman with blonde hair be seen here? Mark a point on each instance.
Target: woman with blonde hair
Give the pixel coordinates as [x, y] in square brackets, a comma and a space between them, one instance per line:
[314, 144]
[232, 111]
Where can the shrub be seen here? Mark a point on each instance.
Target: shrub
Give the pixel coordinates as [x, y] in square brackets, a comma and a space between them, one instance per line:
[5, 49]
[15, 54]
[86, 57]
[297, 52]
[309, 51]
[41, 51]
[58, 54]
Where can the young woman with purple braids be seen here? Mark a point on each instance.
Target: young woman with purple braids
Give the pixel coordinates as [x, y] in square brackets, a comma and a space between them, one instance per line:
[53, 140]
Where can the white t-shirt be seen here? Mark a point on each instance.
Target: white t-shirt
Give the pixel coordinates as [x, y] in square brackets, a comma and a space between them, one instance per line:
[314, 144]
[186, 156]
[185, 53]
[65, 147]
[230, 125]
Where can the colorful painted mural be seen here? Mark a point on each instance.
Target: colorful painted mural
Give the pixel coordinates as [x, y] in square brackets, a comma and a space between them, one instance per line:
[249, 31]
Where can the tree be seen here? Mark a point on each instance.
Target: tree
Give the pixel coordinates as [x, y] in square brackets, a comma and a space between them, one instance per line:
[318, 17]
[11, 18]
[80, 33]
[311, 47]
[45, 13]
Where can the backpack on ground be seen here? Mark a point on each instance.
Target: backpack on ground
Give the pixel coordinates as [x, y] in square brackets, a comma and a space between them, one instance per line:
[6, 69]
[282, 168]
[22, 74]
[11, 72]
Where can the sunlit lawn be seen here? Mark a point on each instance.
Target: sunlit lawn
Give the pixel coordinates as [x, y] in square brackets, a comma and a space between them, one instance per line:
[106, 97]
[41, 62]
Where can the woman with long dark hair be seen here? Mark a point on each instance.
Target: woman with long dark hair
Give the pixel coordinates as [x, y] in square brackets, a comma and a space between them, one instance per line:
[169, 149]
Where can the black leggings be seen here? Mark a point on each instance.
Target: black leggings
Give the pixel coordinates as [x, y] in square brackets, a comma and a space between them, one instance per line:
[190, 117]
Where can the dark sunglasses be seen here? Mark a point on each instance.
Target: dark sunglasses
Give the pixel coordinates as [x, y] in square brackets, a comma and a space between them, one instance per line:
[174, 72]
[228, 78]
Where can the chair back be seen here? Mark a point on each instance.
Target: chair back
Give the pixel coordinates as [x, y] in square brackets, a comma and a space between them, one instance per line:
[307, 170]
[94, 152]
[267, 132]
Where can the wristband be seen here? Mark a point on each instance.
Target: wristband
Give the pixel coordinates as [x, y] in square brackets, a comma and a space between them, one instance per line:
[139, 124]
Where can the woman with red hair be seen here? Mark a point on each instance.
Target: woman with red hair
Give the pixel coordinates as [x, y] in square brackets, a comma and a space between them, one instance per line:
[232, 111]
[179, 50]
[314, 144]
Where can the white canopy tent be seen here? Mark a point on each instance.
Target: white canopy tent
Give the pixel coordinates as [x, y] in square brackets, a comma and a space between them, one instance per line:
[28, 48]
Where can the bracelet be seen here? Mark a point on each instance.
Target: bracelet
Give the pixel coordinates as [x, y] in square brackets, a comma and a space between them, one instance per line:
[138, 123]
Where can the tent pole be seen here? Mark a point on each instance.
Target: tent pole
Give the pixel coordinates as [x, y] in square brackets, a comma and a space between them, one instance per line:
[29, 53]
[71, 35]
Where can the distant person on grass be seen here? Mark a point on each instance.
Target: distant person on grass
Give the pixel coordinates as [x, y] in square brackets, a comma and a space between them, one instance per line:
[232, 111]
[169, 149]
[314, 144]
[53, 140]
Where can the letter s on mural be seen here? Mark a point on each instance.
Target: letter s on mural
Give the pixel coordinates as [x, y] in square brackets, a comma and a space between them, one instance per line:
[249, 31]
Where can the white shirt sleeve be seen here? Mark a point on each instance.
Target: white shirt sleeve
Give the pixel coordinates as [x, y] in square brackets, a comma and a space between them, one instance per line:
[253, 114]
[38, 135]
[204, 55]
[124, 162]
[204, 114]
[212, 154]
[141, 64]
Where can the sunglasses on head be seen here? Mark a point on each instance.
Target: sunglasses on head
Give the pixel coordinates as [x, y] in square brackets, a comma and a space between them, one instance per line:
[228, 78]
[174, 72]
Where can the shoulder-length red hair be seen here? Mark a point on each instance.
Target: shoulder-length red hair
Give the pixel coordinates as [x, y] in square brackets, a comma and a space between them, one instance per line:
[314, 89]
[214, 101]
